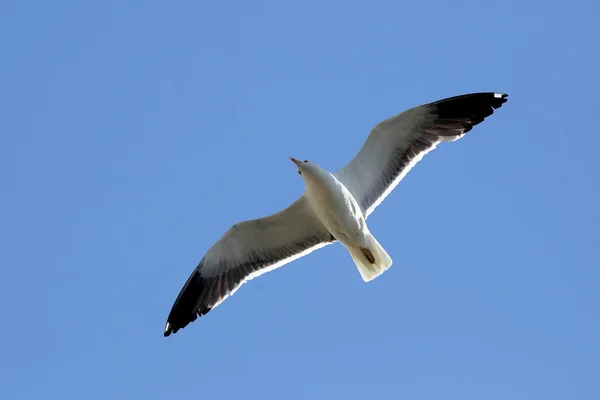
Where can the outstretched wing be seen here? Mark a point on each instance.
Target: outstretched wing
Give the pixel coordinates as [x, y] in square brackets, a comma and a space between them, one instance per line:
[246, 250]
[395, 145]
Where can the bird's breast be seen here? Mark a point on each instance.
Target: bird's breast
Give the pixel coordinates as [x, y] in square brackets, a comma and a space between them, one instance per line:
[338, 211]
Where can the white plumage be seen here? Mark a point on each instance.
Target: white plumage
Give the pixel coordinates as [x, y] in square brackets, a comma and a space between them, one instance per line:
[334, 206]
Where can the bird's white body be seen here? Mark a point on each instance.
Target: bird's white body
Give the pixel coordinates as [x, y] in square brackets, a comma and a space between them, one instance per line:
[339, 212]
[335, 206]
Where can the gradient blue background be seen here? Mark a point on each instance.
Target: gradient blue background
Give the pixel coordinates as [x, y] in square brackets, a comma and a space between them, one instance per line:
[135, 133]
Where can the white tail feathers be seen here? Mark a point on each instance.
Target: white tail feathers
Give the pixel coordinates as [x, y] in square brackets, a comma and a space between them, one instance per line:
[371, 261]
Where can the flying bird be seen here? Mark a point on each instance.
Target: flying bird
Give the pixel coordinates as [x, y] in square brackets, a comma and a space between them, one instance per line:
[334, 206]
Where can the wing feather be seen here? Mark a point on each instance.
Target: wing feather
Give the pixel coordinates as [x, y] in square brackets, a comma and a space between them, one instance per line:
[248, 249]
[395, 145]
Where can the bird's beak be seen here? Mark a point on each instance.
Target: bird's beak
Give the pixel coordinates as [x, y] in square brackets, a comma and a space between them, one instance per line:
[297, 164]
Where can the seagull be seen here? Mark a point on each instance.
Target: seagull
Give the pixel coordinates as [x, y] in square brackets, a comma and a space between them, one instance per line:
[334, 206]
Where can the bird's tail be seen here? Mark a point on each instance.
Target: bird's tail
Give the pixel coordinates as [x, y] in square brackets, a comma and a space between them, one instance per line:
[372, 260]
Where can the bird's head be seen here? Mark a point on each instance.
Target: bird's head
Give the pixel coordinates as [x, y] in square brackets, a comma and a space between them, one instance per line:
[310, 172]
[302, 165]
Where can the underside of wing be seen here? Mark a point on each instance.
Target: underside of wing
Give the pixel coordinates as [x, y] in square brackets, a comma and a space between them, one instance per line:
[247, 250]
[395, 145]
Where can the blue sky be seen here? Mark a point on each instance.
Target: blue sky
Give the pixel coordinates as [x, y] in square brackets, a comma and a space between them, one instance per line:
[135, 133]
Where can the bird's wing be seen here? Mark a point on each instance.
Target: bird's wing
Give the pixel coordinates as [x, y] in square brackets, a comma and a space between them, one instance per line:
[395, 145]
[246, 250]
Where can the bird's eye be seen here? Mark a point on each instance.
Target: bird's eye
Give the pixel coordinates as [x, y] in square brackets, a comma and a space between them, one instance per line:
[305, 161]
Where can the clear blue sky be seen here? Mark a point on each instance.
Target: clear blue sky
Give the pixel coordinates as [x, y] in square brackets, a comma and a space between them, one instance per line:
[135, 133]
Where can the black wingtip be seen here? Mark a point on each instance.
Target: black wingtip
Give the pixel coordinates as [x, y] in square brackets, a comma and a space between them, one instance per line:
[500, 98]
[470, 108]
[494, 99]
[186, 308]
